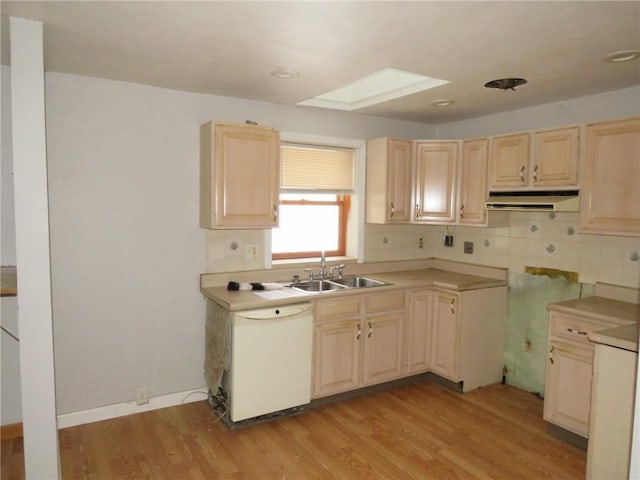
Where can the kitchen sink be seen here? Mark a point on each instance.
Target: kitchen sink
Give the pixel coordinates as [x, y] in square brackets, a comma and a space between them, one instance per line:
[336, 284]
[316, 286]
[358, 282]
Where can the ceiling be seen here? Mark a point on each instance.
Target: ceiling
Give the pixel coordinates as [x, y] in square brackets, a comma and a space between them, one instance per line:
[230, 48]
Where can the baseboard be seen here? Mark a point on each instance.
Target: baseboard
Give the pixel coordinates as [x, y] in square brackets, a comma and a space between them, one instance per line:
[129, 408]
[10, 431]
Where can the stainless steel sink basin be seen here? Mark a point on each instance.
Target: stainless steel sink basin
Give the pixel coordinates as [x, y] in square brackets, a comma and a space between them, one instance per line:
[316, 286]
[358, 282]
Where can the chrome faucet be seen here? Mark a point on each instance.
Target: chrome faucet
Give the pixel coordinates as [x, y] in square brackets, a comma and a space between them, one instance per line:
[323, 265]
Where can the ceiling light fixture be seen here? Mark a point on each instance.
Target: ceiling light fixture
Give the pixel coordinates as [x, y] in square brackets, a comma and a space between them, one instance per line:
[506, 83]
[443, 103]
[621, 56]
[284, 73]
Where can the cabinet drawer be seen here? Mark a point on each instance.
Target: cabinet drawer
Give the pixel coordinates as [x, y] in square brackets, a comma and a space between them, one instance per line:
[384, 302]
[572, 328]
[338, 308]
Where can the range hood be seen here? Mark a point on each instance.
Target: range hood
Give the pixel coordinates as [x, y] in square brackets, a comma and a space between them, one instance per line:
[536, 201]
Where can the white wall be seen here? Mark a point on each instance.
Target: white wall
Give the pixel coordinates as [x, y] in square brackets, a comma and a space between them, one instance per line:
[10, 400]
[125, 244]
[605, 106]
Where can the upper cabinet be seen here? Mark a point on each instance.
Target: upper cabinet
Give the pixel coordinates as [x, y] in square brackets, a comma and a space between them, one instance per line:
[473, 182]
[509, 161]
[239, 176]
[388, 183]
[546, 159]
[610, 197]
[555, 158]
[435, 181]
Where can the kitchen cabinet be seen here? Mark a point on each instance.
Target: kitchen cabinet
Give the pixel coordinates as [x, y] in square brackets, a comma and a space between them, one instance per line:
[388, 180]
[508, 161]
[419, 331]
[610, 195]
[336, 344]
[239, 176]
[555, 158]
[384, 316]
[545, 159]
[457, 335]
[473, 182]
[357, 341]
[435, 181]
[569, 372]
[444, 337]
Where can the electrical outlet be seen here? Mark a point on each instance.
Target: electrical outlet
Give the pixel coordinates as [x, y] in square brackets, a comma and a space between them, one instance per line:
[142, 396]
[448, 240]
[468, 247]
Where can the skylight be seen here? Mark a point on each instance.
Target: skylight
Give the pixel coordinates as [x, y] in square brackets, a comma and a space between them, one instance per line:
[378, 87]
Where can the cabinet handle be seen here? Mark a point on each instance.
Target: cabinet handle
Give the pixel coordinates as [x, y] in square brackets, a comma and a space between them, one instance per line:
[393, 209]
[275, 213]
[462, 211]
[359, 332]
[370, 330]
[535, 174]
[577, 332]
[522, 173]
[551, 353]
[453, 302]
[417, 211]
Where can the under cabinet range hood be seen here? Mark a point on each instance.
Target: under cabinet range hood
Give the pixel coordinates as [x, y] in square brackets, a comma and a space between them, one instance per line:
[536, 201]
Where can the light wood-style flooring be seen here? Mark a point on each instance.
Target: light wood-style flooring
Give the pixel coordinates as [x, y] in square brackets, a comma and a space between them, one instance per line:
[418, 431]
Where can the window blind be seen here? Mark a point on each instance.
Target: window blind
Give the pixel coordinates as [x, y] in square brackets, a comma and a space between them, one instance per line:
[316, 169]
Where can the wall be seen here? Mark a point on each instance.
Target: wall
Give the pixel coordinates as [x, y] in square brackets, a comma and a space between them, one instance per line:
[10, 400]
[125, 244]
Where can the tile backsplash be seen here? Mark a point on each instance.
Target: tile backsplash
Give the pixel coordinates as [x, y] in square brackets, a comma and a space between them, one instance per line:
[537, 239]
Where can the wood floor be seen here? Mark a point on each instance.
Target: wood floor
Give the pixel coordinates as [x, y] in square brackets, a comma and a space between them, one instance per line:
[418, 431]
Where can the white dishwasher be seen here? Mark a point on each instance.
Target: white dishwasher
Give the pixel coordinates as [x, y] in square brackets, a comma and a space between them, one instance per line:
[271, 351]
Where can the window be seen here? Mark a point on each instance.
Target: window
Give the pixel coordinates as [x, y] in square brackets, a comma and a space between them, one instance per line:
[316, 183]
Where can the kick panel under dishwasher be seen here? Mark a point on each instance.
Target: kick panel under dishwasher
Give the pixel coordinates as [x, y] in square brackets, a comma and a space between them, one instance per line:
[271, 351]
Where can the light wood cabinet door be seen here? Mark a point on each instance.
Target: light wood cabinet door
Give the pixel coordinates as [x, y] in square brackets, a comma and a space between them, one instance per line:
[388, 181]
[568, 386]
[382, 348]
[610, 194]
[336, 357]
[435, 183]
[509, 161]
[239, 176]
[473, 182]
[555, 158]
[419, 331]
[445, 329]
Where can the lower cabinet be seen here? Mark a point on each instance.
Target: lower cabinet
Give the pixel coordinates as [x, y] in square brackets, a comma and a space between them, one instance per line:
[444, 336]
[418, 342]
[567, 401]
[369, 338]
[357, 341]
[457, 335]
[568, 395]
